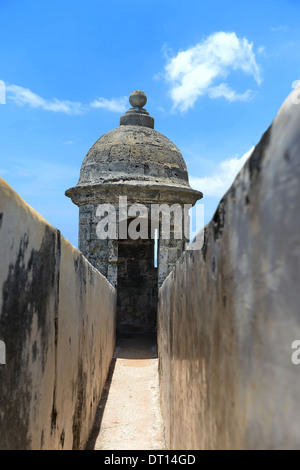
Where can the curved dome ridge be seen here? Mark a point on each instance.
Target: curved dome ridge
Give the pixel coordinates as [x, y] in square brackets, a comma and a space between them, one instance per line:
[134, 153]
[136, 158]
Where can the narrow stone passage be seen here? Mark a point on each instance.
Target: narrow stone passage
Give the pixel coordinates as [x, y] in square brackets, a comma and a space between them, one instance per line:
[129, 415]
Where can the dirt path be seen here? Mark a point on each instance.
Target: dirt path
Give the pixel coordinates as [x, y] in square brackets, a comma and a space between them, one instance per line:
[129, 416]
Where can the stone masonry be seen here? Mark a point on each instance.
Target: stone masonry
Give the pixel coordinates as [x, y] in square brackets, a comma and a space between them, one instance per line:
[135, 162]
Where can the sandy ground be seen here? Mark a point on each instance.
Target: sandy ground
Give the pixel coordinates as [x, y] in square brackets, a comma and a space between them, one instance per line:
[129, 416]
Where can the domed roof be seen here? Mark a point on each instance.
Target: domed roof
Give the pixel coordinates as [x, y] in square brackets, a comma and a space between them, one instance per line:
[134, 154]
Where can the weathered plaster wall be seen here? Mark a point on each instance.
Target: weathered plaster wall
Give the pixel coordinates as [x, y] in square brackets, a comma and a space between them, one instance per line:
[228, 313]
[57, 319]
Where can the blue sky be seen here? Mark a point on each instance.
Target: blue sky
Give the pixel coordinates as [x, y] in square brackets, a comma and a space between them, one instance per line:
[215, 74]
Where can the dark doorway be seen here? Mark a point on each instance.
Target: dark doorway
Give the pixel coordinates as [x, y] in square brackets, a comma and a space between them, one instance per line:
[136, 286]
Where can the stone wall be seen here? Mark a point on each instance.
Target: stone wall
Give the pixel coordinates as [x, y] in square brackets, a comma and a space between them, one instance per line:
[57, 320]
[102, 254]
[229, 313]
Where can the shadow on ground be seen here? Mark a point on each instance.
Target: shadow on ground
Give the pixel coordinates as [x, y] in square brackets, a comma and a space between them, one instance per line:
[134, 348]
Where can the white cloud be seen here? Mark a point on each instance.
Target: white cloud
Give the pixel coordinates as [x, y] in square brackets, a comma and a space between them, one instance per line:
[193, 72]
[224, 91]
[23, 96]
[118, 105]
[217, 184]
[261, 50]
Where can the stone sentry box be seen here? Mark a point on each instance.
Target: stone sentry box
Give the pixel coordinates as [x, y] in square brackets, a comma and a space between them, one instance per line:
[137, 162]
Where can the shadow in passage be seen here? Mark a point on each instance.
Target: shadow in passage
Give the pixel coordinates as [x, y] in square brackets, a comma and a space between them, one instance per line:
[101, 407]
[135, 345]
[133, 350]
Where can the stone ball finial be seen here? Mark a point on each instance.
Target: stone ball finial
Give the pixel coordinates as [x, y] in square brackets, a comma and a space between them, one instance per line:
[137, 115]
[137, 99]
